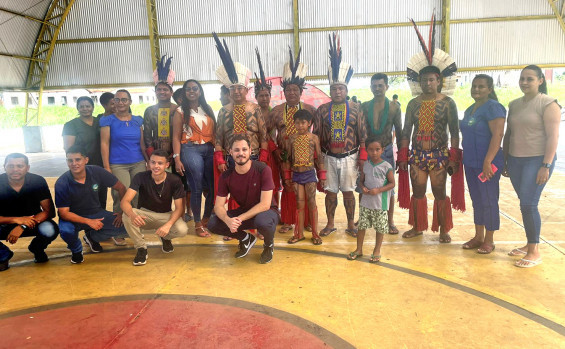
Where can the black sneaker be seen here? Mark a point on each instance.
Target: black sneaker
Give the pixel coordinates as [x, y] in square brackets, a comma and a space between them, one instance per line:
[140, 257]
[77, 258]
[94, 246]
[39, 255]
[167, 246]
[267, 254]
[245, 246]
[5, 265]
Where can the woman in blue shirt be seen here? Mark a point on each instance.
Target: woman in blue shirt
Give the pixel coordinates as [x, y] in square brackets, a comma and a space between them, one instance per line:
[482, 129]
[122, 146]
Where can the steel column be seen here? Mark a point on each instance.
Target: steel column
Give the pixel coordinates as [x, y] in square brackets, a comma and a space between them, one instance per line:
[445, 22]
[153, 32]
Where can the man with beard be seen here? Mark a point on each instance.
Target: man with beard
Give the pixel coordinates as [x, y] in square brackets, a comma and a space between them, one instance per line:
[250, 184]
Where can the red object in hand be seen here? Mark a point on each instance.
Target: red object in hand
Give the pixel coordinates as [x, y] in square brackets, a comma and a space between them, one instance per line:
[219, 157]
[482, 177]
[263, 155]
[363, 154]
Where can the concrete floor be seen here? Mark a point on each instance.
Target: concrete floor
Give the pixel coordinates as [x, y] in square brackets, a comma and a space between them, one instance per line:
[422, 295]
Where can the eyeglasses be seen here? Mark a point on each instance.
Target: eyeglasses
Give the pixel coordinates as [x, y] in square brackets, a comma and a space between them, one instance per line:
[193, 89]
[123, 100]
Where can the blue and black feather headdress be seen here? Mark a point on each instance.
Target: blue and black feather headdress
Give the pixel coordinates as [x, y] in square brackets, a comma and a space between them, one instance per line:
[261, 81]
[294, 71]
[163, 73]
[338, 72]
[230, 73]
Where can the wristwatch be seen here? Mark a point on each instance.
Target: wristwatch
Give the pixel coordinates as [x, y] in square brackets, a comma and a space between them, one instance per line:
[24, 227]
[175, 155]
[546, 165]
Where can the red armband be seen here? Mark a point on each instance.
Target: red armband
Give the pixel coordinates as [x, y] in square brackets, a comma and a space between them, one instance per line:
[287, 174]
[219, 157]
[149, 151]
[271, 146]
[322, 174]
[363, 154]
[402, 154]
[455, 154]
[263, 155]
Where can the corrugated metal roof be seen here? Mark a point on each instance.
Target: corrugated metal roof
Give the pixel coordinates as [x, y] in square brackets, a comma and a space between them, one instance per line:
[488, 8]
[15, 35]
[13, 72]
[204, 17]
[34, 8]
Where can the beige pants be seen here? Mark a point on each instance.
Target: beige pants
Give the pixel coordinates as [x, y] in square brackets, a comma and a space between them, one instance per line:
[154, 221]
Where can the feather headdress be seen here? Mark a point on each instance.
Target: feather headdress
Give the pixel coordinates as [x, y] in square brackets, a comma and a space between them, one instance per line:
[163, 73]
[230, 73]
[430, 56]
[261, 81]
[294, 72]
[338, 72]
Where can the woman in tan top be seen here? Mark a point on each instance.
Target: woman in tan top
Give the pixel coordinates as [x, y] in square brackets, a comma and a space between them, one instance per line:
[530, 145]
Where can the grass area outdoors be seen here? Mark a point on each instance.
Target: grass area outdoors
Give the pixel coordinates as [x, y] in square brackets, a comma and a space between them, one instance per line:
[55, 115]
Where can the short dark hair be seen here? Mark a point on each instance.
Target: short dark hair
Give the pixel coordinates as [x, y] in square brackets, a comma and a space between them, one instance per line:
[164, 84]
[430, 69]
[380, 76]
[162, 153]
[178, 95]
[224, 90]
[373, 139]
[240, 137]
[394, 96]
[106, 97]
[76, 149]
[303, 114]
[16, 156]
[85, 98]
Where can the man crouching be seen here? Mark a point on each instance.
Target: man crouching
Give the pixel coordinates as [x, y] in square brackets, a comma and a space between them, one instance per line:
[157, 189]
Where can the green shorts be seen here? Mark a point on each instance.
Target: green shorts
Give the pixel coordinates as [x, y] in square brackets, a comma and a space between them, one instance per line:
[369, 218]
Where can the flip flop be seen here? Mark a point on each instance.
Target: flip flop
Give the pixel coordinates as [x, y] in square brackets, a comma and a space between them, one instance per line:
[444, 238]
[472, 244]
[411, 234]
[316, 241]
[529, 263]
[351, 232]
[375, 259]
[392, 230]
[327, 231]
[487, 250]
[285, 228]
[353, 256]
[294, 240]
[517, 252]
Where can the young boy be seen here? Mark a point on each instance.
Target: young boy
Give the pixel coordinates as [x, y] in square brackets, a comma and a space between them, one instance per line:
[377, 181]
[302, 150]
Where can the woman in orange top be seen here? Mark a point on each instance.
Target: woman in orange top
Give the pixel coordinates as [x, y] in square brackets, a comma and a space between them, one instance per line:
[193, 139]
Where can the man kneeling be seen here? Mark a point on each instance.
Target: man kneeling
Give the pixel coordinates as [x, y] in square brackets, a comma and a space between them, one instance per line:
[250, 183]
[157, 189]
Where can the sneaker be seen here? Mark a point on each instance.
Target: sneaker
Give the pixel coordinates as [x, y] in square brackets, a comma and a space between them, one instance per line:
[140, 257]
[77, 258]
[267, 254]
[167, 246]
[94, 246]
[119, 241]
[245, 246]
[39, 255]
[5, 265]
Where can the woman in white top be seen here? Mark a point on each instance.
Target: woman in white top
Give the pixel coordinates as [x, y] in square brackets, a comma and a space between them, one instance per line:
[530, 145]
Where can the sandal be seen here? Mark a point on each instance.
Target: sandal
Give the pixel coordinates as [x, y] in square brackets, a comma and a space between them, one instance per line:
[444, 238]
[517, 252]
[528, 263]
[353, 256]
[285, 228]
[327, 231]
[411, 234]
[295, 239]
[375, 258]
[485, 249]
[392, 230]
[316, 241]
[203, 233]
[351, 232]
[472, 244]
[308, 228]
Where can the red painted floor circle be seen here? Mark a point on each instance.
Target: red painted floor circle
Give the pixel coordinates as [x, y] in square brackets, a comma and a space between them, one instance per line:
[152, 323]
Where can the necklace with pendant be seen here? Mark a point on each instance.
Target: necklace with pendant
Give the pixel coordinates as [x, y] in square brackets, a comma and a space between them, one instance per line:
[162, 188]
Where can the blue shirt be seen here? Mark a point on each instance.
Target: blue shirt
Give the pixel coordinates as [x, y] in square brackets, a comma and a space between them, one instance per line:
[82, 199]
[476, 134]
[125, 137]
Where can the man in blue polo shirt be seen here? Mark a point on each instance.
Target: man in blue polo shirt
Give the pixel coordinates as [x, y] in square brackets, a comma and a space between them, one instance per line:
[76, 197]
[26, 209]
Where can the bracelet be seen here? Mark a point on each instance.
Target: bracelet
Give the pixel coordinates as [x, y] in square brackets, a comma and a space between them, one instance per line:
[322, 174]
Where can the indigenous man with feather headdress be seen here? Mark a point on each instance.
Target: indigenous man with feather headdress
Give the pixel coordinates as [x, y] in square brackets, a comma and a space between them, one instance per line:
[428, 118]
[342, 131]
[280, 125]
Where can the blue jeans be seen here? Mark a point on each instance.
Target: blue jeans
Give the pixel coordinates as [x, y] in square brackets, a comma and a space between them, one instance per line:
[198, 161]
[523, 173]
[69, 230]
[44, 233]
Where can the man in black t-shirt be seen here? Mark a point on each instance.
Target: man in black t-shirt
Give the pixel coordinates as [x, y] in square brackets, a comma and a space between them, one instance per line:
[78, 204]
[157, 189]
[26, 209]
[250, 184]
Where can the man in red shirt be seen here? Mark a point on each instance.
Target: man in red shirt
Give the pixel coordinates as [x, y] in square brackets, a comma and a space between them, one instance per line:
[250, 184]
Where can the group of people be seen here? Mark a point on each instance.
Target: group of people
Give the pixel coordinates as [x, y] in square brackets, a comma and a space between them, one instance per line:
[160, 167]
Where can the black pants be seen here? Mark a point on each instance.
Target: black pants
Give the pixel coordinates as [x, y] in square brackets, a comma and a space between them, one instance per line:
[265, 223]
[44, 233]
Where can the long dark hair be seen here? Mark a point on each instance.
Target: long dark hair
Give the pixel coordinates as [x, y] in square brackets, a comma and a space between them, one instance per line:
[490, 84]
[543, 87]
[201, 102]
